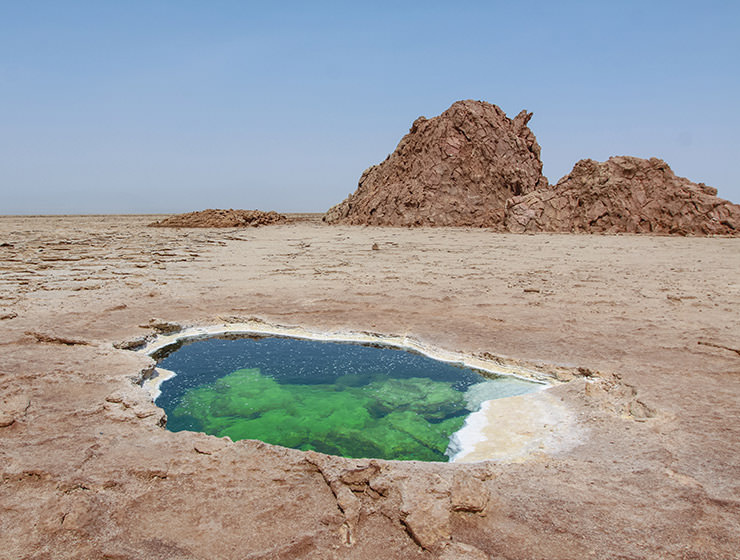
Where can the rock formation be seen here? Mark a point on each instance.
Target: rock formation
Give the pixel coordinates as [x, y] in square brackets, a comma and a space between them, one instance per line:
[624, 194]
[457, 169]
[221, 219]
[473, 166]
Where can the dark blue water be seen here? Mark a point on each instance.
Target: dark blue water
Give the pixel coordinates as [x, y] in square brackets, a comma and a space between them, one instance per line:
[299, 361]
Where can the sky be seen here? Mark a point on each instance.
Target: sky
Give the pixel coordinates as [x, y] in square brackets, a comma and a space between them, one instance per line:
[179, 105]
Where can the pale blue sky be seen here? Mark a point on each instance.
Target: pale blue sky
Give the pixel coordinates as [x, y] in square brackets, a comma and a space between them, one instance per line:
[171, 106]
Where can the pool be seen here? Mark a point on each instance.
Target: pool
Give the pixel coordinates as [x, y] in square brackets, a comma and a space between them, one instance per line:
[347, 399]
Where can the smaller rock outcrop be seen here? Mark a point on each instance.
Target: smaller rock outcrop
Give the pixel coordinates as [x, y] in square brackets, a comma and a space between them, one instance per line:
[456, 169]
[221, 219]
[624, 195]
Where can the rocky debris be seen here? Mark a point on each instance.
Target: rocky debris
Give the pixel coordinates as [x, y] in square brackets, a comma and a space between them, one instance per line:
[12, 408]
[213, 218]
[346, 486]
[611, 393]
[53, 339]
[133, 343]
[457, 169]
[425, 512]
[468, 493]
[125, 405]
[160, 326]
[624, 194]
[426, 506]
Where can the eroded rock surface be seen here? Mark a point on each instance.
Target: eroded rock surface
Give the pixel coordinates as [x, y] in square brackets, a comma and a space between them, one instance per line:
[213, 218]
[88, 471]
[473, 166]
[457, 169]
[624, 194]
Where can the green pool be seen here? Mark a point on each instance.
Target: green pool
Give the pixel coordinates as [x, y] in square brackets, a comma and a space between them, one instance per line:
[343, 399]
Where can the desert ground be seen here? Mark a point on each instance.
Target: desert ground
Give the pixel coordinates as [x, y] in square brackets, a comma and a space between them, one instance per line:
[643, 333]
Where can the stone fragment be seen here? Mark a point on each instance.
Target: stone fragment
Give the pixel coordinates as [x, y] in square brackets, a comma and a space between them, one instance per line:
[12, 408]
[468, 493]
[425, 511]
[428, 522]
[161, 326]
[132, 343]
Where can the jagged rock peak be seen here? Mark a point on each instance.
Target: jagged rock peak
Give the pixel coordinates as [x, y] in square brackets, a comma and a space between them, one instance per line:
[624, 194]
[456, 169]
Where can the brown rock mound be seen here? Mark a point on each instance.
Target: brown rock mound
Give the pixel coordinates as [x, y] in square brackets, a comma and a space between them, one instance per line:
[221, 219]
[457, 169]
[624, 194]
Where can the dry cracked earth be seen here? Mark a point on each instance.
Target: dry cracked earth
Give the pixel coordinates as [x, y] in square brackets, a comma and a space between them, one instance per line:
[644, 330]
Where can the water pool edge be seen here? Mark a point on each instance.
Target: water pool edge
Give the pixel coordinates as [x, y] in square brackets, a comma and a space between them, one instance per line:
[545, 424]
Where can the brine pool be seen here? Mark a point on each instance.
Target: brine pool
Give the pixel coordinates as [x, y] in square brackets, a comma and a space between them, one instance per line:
[338, 398]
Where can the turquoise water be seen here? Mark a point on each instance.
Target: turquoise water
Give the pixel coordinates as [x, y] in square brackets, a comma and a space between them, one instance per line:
[342, 399]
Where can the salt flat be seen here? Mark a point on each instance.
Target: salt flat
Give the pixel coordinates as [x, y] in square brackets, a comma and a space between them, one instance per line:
[642, 327]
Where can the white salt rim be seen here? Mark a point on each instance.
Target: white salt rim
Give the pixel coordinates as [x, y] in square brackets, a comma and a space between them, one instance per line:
[461, 443]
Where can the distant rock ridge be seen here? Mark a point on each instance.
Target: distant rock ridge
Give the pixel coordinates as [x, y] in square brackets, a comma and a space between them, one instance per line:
[457, 169]
[473, 166]
[624, 195]
[215, 218]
